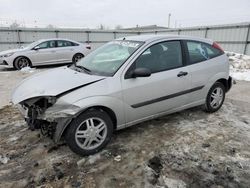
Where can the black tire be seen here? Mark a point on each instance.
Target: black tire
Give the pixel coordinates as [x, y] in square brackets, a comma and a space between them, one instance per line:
[21, 62]
[79, 122]
[77, 57]
[208, 105]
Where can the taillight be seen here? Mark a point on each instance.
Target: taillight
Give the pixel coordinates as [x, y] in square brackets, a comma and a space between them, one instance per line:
[88, 47]
[215, 45]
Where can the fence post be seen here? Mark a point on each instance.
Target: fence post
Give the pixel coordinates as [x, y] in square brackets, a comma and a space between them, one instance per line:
[88, 36]
[56, 31]
[206, 32]
[246, 42]
[18, 38]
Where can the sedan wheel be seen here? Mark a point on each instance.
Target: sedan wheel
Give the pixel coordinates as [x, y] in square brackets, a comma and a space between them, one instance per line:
[89, 132]
[21, 62]
[215, 97]
[77, 57]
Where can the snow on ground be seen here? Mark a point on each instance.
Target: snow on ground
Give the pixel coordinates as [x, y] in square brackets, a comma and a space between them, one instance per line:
[27, 70]
[239, 66]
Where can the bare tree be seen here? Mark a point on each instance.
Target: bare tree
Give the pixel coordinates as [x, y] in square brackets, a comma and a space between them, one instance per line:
[118, 27]
[50, 26]
[103, 27]
[14, 25]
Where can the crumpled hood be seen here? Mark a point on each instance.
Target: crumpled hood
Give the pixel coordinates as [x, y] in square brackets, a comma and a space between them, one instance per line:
[51, 83]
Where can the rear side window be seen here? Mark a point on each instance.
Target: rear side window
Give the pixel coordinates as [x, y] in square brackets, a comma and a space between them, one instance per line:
[199, 51]
[64, 43]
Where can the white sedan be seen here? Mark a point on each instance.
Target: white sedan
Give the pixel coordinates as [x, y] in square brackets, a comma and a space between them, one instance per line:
[44, 52]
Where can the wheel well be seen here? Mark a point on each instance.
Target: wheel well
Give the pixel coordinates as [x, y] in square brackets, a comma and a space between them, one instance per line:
[103, 108]
[21, 56]
[224, 82]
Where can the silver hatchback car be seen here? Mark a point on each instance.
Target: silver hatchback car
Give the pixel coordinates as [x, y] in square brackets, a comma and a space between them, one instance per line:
[122, 83]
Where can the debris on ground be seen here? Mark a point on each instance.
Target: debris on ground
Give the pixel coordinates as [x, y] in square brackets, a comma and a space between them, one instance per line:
[118, 158]
[4, 159]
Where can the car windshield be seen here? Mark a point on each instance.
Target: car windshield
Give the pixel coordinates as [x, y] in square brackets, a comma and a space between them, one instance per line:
[106, 60]
[31, 45]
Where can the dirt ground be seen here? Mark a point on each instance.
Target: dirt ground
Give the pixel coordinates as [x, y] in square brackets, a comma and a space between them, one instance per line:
[186, 149]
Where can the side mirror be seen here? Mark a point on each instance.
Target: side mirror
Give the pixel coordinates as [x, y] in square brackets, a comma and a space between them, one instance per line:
[36, 48]
[141, 72]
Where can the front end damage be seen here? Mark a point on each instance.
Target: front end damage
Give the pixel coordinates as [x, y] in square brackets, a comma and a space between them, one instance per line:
[48, 115]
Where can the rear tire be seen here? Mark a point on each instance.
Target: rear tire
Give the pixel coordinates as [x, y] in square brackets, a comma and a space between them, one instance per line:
[89, 132]
[77, 57]
[215, 97]
[21, 62]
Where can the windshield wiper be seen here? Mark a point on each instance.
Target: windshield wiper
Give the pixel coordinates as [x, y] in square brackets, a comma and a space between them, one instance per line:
[83, 68]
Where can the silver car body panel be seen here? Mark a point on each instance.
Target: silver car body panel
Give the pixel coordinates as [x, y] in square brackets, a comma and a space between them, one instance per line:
[132, 100]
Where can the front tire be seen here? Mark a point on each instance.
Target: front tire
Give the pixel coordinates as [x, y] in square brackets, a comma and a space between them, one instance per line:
[89, 132]
[215, 97]
[77, 57]
[21, 62]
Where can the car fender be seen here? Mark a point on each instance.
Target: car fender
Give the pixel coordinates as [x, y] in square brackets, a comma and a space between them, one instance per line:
[66, 113]
[113, 103]
[213, 79]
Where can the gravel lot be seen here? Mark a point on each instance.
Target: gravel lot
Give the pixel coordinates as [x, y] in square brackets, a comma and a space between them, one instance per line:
[186, 149]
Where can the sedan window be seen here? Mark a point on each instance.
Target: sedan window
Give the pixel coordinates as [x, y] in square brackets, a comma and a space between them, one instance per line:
[47, 44]
[64, 43]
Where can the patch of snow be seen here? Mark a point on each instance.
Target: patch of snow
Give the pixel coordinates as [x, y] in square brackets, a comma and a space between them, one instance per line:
[13, 138]
[4, 159]
[19, 123]
[239, 66]
[27, 70]
[244, 75]
[174, 183]
[93, 158]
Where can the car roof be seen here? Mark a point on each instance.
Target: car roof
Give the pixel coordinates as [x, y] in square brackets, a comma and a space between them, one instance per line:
[43, 40]
[151, 38]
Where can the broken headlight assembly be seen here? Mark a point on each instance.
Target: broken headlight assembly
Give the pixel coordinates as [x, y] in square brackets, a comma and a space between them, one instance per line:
[35, 107]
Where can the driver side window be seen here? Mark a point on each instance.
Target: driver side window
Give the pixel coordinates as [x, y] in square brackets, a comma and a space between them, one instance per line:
[159, 57]
[47, 44]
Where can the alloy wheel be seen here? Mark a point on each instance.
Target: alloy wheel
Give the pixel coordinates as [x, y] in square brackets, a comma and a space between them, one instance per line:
[23, 62]
[91, 133]
[216, 97]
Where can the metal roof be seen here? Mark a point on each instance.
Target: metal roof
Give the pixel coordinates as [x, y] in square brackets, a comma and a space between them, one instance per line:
[150, 38]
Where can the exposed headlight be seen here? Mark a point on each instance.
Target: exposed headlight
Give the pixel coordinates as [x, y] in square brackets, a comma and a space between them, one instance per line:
[52, 100]
[8, 55]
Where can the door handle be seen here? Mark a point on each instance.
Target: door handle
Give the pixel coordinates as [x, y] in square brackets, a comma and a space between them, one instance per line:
[181, 74]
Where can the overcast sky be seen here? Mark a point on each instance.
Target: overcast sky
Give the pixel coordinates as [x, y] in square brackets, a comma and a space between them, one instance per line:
[128, 13]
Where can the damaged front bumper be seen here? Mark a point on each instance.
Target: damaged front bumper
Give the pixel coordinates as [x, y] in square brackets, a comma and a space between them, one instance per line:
[52, 122]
